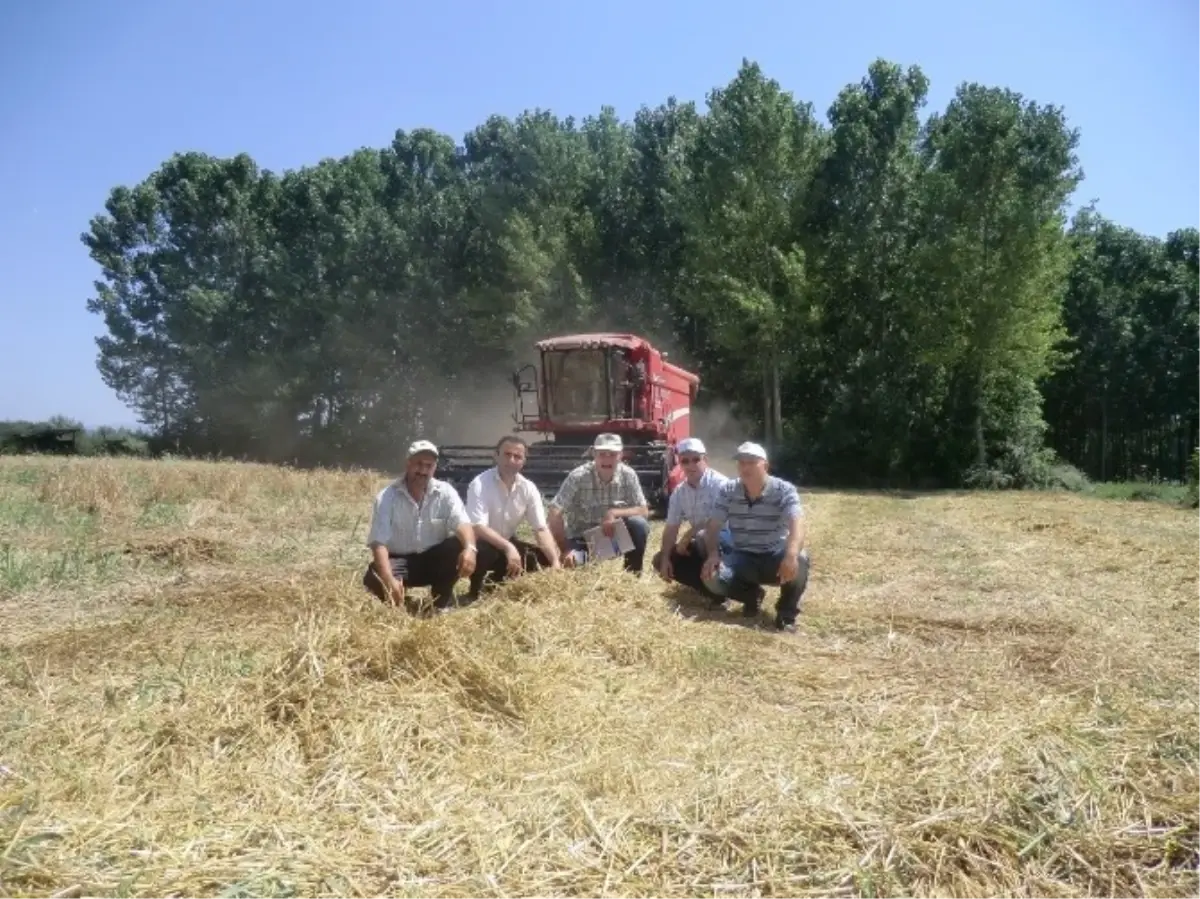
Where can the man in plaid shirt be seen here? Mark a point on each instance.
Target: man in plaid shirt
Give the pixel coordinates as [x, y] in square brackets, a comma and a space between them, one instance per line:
[596, 494]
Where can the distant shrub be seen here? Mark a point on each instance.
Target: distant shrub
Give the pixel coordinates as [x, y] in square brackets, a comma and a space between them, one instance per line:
[1065, 476]
[1021, 467]
[62, 436]
[1148, 493]
[41, 439]
[113, 442]
[986, 477]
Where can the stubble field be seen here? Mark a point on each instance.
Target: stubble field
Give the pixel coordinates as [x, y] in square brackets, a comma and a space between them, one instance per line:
[989, 695]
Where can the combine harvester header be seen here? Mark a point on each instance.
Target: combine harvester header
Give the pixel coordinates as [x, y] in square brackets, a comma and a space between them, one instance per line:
[588, 384]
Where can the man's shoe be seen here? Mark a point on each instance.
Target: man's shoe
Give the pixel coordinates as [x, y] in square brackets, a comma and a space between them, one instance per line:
[786, 627]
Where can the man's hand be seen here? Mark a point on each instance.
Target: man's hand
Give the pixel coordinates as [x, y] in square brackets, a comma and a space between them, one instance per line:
[515, 565]
[466, 562]
[710, 567]
[789, 567]
[396, 590]
[665, 569]
[549, 548]
[609, 524]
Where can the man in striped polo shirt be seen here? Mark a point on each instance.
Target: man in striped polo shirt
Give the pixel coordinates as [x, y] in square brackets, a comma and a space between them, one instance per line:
[766, 521]
[681, 556]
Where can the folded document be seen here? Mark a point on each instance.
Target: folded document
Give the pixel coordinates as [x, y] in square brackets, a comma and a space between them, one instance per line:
[601, 547]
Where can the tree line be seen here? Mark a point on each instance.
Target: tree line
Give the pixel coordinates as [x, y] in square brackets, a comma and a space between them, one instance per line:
[882, 297]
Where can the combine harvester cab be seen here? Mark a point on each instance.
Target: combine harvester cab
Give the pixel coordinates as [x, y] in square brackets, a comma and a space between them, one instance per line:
[589, 384]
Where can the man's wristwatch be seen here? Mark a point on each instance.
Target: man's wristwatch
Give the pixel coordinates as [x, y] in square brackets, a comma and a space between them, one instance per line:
[471, 547]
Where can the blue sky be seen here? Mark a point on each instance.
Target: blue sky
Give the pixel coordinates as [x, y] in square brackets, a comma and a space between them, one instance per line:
[99, 94]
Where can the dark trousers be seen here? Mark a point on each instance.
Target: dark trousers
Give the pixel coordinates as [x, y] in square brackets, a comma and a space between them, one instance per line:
[435, 568]
[492, 565]
[635, 559]
[685, 568]
[741, 574]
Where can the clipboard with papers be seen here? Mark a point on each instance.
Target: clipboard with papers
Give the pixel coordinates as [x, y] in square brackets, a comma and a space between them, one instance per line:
[601, 547]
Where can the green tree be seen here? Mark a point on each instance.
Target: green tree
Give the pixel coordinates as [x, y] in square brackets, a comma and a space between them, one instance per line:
[751, 169]
[869, 398]
[893, 301]
[1126, 404]
[1001, 170]
[183, 256]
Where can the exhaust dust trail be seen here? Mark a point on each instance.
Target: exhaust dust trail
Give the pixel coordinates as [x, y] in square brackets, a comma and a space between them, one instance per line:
[722, 431]
[479, 416]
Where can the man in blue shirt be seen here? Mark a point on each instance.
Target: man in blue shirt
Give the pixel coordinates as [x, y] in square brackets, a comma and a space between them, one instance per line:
[681, 556]
[766, 522]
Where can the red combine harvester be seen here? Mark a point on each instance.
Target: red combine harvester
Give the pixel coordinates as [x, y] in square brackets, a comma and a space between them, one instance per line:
[590, 384]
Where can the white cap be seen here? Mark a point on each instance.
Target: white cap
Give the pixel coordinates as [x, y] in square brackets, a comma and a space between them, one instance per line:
[691, 445]
[421, 446]
[609, 442]
[750, 451]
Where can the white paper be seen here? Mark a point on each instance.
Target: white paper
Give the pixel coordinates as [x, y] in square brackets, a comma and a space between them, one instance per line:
[601, 547]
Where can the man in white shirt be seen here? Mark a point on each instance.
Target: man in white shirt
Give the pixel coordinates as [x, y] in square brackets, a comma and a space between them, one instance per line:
[498, 500]
[420, 535]
[682, 555]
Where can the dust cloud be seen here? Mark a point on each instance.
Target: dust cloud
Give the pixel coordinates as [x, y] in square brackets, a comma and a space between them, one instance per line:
[719, 426]
[480, 416]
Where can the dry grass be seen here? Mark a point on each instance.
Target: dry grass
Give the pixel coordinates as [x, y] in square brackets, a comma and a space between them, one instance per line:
[990, 695]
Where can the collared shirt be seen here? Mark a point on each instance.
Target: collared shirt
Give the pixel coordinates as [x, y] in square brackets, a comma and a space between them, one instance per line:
[405, 527]
[584, 500]
[490, 502]
[695, 504]
[760, 526]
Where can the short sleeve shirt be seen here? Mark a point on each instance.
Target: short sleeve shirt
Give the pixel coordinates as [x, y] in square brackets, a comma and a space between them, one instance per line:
[695, 504]
[492, 504]
[405, 527]
[762, 525]
[584, 500]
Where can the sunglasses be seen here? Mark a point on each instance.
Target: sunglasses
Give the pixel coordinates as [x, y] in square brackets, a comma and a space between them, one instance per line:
[689, 460]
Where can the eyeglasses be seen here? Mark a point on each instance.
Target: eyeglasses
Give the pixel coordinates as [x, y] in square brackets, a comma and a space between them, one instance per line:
[689, 460]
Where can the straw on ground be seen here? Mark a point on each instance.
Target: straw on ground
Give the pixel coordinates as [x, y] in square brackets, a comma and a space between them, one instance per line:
[989, 695]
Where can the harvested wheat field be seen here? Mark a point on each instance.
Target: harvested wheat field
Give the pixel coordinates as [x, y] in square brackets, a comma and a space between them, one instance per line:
[989, 695]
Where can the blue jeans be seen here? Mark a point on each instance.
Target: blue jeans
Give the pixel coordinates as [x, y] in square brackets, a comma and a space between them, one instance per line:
[741, 574]
[687, 567]
[639, 533]
[724, 541]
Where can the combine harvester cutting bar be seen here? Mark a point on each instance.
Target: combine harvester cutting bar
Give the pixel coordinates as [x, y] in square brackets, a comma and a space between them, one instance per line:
[589, 384]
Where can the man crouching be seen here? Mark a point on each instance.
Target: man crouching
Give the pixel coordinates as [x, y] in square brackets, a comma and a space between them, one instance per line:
[498, 500]
[596, 494]
[766, 523]
[681, 557]
[420, 535]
